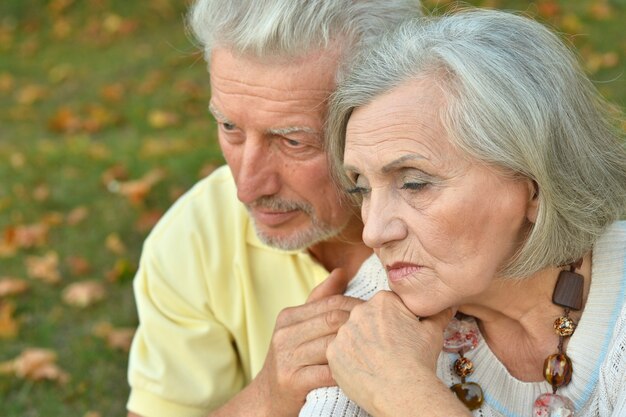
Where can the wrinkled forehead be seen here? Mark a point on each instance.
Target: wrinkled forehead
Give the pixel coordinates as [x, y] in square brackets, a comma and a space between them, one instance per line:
[276, 94]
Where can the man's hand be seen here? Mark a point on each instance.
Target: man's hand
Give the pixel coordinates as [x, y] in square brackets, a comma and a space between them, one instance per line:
[296, 362]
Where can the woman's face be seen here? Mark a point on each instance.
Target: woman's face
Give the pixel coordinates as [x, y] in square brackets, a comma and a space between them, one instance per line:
[442, 224]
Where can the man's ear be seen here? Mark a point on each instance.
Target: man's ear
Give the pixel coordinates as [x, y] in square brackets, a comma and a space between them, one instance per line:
[533, 203]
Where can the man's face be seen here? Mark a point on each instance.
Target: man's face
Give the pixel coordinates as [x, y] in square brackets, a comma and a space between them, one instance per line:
[270, 123]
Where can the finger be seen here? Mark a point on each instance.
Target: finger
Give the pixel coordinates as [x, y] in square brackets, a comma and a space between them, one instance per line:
[324, 324]
[313, 352]
[336, 283]
[315, 376]
[294, 315]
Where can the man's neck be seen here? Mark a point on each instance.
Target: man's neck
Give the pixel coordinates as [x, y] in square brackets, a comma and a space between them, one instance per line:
[345, 250]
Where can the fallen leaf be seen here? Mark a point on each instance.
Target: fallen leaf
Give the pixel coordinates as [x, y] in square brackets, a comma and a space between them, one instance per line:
[31, 94]
[112, 23]
[548, 8]
[99, 151]
[44, 268]
[52, 218]
[113, 92]
[114, 175]
[35, 364]
[601, 10]
[122, 270]
[92, 414]
[116, 338]
[160, 119]
[78, 265]
[176, 192]
[26, 236]
[83, 294]
[7, 250]
[6, 82]
[97, 118]
[610, 60]
[60, 73]
[61, 29]
[18, 160]
[571, 23]
[147, 220]
[59, 6]
[114, 243]
[41, 193]
[12, 286]
[151, 82]
[77, 215]
[29, 48]
[137, 190]
[64, 121]
[163, 147]
[8, 325]
[206, 170]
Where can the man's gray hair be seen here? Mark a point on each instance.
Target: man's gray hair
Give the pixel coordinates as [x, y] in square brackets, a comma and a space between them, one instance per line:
[293, 28]
[516, 99]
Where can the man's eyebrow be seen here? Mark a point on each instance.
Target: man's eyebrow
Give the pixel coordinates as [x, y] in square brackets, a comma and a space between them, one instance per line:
[216, 113]
[282, 131]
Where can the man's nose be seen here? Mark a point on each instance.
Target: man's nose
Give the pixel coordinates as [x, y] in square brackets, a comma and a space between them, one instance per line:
[382, 222]
[259, 173]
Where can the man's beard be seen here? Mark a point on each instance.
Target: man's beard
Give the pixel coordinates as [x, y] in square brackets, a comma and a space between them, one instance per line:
[316, 232]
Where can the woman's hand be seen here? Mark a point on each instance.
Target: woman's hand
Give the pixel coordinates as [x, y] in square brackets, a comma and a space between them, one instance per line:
[385, 359]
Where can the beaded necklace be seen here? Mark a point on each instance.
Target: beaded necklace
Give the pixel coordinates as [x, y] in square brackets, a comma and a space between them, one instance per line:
[463, 335]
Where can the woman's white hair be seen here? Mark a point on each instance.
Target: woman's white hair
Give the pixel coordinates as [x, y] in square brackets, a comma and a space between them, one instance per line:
[293, 28]
[517, 100]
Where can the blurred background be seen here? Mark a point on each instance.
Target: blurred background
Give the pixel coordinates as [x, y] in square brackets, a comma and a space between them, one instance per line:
[103, 125]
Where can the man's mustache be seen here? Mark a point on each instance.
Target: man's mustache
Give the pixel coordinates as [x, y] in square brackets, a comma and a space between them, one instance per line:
[279, 204]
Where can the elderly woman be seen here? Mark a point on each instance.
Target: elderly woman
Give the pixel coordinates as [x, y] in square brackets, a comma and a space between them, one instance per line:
[491, 180]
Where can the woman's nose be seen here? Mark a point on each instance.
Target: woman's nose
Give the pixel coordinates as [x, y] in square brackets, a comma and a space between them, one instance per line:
[382, 221]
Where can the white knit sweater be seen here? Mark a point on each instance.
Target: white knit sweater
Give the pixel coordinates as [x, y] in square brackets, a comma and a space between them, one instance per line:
[597, 349]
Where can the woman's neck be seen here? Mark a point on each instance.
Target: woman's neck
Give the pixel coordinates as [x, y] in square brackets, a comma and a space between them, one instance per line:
[516, 319]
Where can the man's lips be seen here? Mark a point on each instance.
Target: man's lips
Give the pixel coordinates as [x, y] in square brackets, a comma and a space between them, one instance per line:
[400, 270]
[273, 217]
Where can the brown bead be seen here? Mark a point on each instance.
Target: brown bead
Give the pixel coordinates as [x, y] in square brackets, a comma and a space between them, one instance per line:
[568, 292]
[469, 393]
[557, 369]
[564, 326]
[463, 367]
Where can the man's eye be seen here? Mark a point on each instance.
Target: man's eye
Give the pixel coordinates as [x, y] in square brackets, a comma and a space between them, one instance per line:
[292, 143]
[228, 126]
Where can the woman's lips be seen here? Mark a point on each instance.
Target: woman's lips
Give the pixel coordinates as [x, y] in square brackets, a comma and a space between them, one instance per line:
[400, 270]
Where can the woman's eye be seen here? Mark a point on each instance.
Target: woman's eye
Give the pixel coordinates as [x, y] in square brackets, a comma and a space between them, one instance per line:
[413, 185]
[361, 187]
[357, 190]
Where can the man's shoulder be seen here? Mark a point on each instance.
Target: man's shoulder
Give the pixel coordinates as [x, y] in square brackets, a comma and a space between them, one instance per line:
[209, 209]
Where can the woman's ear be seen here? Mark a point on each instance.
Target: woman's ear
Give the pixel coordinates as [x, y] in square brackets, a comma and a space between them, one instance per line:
[533, 202]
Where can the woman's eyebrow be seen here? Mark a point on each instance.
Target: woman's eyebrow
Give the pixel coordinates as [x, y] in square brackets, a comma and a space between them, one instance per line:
[409, 157]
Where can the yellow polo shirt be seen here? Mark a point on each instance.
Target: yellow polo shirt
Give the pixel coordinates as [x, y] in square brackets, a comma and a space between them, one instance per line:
[208, 293]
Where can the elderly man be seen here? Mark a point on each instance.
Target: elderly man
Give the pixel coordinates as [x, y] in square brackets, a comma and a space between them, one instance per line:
[257, 235]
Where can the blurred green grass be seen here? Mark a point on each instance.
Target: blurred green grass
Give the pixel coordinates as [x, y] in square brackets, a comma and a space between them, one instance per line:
[96, 94]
